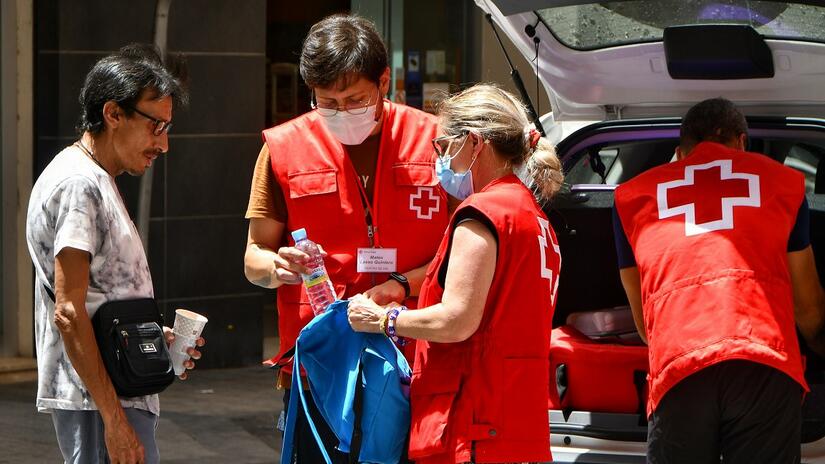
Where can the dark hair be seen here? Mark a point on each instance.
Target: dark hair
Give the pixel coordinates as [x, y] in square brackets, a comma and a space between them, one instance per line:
[339, 49]
[123, 77]
[713, 120]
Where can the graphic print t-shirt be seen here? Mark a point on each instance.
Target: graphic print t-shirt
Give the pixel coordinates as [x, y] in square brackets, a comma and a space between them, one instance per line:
[76, 204]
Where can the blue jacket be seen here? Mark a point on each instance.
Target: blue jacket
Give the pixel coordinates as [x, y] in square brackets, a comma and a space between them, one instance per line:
[333, 355]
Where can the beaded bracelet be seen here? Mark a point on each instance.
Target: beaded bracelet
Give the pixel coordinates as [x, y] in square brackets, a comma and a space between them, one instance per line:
[382, 323]
[392, 315]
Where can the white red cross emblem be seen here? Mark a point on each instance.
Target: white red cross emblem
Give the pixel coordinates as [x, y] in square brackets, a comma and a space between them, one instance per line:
[425, 202]
[707, 196]
[550, 257]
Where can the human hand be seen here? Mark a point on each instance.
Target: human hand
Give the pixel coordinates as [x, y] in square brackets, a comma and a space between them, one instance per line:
[388, 292]
[192, 352]
[288, 265]
[364, 314]
[122, 442]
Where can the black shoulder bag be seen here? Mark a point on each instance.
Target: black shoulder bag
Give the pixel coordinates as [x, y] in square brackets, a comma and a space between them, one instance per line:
[129, 335]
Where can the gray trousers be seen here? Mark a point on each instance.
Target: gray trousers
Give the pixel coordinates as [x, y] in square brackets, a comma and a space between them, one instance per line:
[82, 441]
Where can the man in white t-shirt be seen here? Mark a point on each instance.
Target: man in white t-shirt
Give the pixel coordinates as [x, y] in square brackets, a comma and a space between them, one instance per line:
[86, 249]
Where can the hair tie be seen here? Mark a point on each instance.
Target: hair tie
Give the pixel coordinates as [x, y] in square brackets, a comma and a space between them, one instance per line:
[534, 137]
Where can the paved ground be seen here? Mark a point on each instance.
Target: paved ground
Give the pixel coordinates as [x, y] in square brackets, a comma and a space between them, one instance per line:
[218, 416]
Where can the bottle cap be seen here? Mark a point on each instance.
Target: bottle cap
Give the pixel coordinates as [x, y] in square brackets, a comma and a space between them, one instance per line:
[298, 235]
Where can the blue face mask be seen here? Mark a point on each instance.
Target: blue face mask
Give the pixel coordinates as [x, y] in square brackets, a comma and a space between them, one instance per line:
[459, 185]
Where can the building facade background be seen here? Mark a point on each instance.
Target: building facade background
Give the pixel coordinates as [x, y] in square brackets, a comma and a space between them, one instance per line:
[242, 59]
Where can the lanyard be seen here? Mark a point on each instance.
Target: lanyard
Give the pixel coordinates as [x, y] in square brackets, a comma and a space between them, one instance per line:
[365, 202]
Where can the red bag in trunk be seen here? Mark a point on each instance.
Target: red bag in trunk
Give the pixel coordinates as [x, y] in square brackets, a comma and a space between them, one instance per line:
[596, 376]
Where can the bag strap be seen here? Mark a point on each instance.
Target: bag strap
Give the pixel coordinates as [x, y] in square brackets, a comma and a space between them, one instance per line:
[289, 428]
[292, 414]
[160, 314]
[50, 293]
[358, 409]
[284, 359]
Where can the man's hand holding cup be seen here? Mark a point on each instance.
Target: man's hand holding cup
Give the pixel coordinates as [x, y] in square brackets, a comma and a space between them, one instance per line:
[184, 339]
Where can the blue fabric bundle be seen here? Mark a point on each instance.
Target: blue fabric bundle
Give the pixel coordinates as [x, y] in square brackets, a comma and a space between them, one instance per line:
[341, 365]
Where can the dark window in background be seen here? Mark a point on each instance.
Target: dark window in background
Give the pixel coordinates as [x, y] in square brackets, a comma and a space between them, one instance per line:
[439, 52]
[441, 49]
[287, 25]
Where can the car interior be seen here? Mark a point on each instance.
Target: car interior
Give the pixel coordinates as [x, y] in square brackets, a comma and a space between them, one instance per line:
[599, 157]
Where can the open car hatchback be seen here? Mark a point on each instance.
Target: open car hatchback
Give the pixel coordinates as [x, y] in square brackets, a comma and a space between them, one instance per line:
[620, 75]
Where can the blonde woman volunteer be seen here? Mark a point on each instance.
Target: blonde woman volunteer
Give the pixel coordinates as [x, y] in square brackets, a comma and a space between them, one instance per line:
[480, 382]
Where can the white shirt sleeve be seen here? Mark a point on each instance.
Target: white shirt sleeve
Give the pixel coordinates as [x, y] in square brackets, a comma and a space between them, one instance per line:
[77, 207]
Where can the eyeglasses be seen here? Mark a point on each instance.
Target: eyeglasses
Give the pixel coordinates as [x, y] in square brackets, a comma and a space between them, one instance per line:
[441, 145]
[160, 126]
[354, 108]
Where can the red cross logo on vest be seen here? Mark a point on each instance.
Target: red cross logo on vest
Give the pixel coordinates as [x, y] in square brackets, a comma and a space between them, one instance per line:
[551, 260]
[707, 196]
[425, 202]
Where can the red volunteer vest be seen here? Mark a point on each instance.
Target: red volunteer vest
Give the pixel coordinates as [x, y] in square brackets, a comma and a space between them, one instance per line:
[710, 236]
[320, 185]
[492, 389]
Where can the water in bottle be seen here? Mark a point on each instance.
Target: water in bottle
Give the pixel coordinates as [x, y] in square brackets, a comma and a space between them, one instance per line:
[318, 286]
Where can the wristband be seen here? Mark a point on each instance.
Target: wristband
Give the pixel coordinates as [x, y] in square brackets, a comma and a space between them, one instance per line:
[401, 280]
[392, 315]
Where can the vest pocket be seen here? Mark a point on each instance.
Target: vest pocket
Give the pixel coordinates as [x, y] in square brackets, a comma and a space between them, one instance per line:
[418, 196]
[419, 174]
[318, 182]
[432, 397]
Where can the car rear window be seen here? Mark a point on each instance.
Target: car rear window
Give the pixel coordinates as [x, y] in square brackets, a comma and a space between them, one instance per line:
[607, 24]
[614, 164]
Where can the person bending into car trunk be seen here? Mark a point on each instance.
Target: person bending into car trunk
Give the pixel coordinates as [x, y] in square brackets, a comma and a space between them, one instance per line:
[86, 250]
[716, 261]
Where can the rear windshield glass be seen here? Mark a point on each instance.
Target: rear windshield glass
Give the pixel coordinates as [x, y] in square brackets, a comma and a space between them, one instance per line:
[607, 24]
[614, 164]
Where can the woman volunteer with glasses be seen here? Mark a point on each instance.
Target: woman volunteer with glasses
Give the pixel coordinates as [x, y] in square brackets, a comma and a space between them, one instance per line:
[357, 173]
[480, 379]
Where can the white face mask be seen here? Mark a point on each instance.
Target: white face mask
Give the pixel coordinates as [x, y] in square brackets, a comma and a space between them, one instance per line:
[351, 129]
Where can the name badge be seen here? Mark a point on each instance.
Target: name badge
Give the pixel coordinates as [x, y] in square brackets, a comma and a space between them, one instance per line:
[377, 259]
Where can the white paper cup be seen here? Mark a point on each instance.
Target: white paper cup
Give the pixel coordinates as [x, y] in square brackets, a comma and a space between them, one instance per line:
[187, 329]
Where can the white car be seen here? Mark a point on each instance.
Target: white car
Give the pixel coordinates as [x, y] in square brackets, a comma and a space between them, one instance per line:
[619, 76]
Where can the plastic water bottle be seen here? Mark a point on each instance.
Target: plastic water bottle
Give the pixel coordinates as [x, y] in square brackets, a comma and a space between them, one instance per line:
[319, 288]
